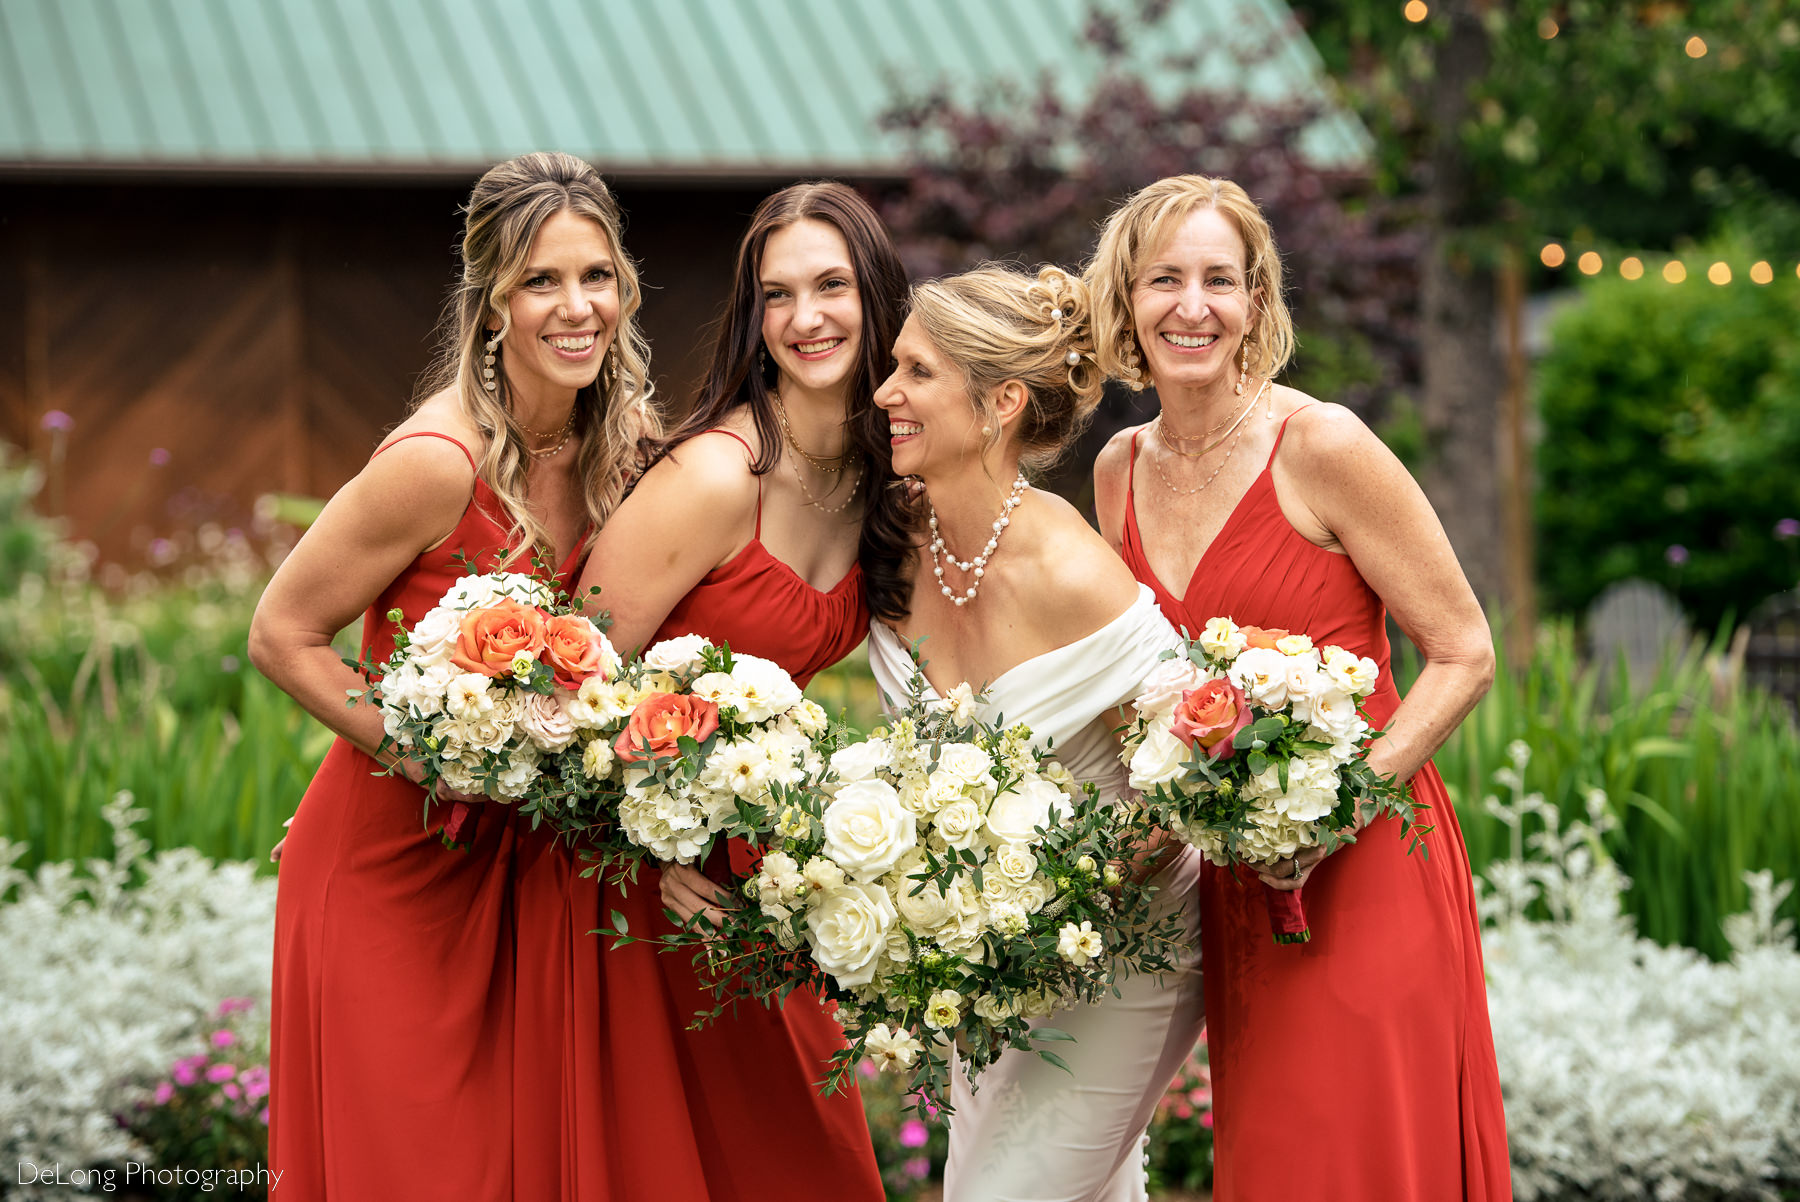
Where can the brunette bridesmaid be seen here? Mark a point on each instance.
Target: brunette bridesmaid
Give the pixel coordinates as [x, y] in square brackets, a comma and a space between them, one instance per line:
[765, 522]
[1360, 1066]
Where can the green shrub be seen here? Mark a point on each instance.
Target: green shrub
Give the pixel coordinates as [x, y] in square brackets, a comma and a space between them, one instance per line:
[1671, 418]
[25, 538]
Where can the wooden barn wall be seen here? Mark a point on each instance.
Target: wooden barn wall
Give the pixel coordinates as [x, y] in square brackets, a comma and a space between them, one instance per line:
[262, 337]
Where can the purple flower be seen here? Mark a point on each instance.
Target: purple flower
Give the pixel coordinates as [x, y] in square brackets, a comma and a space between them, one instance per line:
[918, 1168]
[159, 457]
[913, 1134]
[1787, 528]
[223, 1039]
[164, 1092]
[220, 1072]
[1676, 555]
[58, 421]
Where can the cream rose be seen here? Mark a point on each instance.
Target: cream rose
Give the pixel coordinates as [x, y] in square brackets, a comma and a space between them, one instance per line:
[1222, 639]
[867, 830]
[959, 823]
[1158, 759]
[1262, 673]
[1163, 688]
[1016, 814]
[966, 763]
[859, 761]
[848, 930]
[545, 721]
[676, 655]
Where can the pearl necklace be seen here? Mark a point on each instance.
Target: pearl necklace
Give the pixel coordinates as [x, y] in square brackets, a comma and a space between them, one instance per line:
[978, 565]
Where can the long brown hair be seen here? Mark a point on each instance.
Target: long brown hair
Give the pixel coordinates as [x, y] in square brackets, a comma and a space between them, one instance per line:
[507, 207]
[738, 378]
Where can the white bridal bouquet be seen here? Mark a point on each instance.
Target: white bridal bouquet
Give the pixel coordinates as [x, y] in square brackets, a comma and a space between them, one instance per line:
[486, 685]
[944, 882]
[1249, 744]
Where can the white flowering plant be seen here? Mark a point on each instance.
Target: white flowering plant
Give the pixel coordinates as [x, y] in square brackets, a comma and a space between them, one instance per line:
[486, 685]
[1250, 744]
[944, 883]
[676, 749]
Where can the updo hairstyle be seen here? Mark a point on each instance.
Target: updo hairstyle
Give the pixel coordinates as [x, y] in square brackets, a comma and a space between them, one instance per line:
[999, 323]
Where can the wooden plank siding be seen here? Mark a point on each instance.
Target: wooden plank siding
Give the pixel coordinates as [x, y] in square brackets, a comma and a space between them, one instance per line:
[265, 337]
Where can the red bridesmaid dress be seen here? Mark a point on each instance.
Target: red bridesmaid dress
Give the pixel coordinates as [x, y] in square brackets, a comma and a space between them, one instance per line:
[1358, 1067]
[390, 1042]
[616, 1099]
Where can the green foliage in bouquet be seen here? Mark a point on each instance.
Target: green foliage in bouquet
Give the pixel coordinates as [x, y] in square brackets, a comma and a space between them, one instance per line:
[946, 885]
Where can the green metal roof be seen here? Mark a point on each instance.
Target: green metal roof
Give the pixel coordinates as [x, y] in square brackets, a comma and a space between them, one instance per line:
[650, 87]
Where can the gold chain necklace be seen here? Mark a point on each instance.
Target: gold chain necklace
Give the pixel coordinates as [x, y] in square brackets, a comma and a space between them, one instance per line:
[561, 436]
[1169, 440]
[1239, 427]
[815, 501]
[831, 464]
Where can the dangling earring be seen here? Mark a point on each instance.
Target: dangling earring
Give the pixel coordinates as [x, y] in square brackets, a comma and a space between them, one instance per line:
[1128, 355]
[1243, 364]
[487, 365]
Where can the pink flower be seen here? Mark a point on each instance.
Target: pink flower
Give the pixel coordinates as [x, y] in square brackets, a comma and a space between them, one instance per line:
[57, 420]
[220, 1072]
[233, 1005]
[1183, 1110]
[263, 1117]
[1211, 717]
[164, 1093]
[256, 1081]
[913, 1134]
[231, 1090]
[918, 1168]
[867, 1069]
[223, 1039]
[186, 1071]
[1206, 1120]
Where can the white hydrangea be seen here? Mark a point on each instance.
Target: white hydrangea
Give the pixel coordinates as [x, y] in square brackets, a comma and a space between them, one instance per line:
[475, 592]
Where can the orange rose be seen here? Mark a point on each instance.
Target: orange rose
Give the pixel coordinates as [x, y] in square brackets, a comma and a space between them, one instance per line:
[660, 721]
[1211, 716]
[1266, 639]
[573, 648]
[490, 637]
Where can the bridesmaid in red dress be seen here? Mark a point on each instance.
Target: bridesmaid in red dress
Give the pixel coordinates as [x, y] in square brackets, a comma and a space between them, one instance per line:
[392, 1028]
[1358, 1067]
[765, 523]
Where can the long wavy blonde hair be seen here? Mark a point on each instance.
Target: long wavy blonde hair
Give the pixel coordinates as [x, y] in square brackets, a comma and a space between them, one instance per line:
[508, 206]
[1139, 226]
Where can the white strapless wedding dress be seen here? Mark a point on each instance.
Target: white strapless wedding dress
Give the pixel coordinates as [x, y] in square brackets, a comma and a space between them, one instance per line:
[1033, 1133]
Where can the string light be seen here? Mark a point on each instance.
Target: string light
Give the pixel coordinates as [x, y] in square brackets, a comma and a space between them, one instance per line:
[1674, 271]
[1632, 267]
[1548, 28]
[1760, 272]
[1592, 261]
[1552, 255]
[1416, 11]
[1589, 263]
[1696, 47]
[1719, 273]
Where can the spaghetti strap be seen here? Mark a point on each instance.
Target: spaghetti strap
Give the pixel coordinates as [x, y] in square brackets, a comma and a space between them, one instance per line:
[752, 454]
[1282, 433]
[430, 434]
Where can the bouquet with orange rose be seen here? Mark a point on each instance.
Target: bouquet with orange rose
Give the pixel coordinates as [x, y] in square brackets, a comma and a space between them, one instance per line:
[1251, 746]
[484, 687]
[676, 749]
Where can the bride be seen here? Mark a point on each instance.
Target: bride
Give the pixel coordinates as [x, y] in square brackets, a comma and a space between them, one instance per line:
[994, 372]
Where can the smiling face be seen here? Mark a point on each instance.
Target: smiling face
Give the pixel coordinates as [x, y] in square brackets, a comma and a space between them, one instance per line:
[1191, 304]
[933, 425]
[812, 309]
[563, 312]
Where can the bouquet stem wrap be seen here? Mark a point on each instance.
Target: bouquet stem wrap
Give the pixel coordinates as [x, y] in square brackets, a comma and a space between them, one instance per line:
[1287, 917]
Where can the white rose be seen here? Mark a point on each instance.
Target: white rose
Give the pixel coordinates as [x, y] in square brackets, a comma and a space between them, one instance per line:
[1222, 639]
[467, 697]
[1262, 673]
[545, 721]
[1016, 814]
[676, 655]
[460, 775]
[434, 636]
[1158, 759]
[1054, 772]
[867, 829]
[965, 762]
[1305, 681]
[1334, 712]
[951, 917]
[859, 761]
[1162, 689]
[848, 930]
[891, 1048]
[959, 825]
[990, 1007]
[1015, 864]
[764, 687]
[485, 734]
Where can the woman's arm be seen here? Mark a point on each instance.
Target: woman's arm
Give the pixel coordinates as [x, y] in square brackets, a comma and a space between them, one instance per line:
[406, 499]
[1355, 487]
[1112, 468]
[690, 513]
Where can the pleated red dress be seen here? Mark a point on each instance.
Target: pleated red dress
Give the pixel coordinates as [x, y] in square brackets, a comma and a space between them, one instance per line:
[1358, 1067]
[391, 1033]
[616, 1100]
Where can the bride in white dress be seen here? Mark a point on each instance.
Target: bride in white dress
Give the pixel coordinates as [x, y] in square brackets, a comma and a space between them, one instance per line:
[994, 369]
